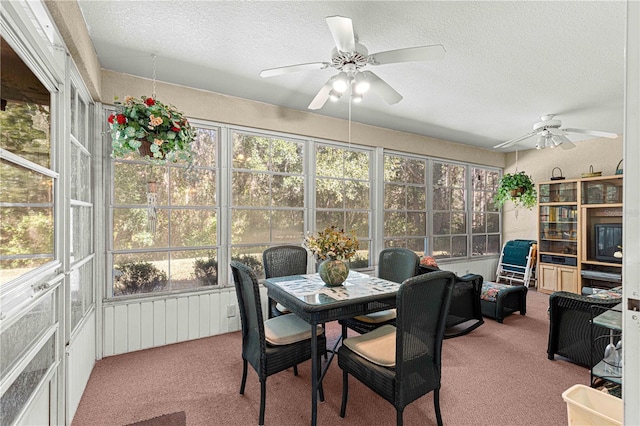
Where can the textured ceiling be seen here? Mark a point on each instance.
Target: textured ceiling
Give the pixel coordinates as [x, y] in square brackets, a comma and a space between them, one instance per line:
[507, 62]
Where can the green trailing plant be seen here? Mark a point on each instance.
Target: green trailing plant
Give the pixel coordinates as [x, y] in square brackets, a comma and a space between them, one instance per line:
[518, 188]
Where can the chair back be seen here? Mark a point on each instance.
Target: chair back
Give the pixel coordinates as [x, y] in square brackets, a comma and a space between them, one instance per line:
[248, 293]
[397, 264]
[422, 308]
[281, 261]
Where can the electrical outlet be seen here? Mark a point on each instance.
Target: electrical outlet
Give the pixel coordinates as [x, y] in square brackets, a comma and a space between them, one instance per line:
[231, 311]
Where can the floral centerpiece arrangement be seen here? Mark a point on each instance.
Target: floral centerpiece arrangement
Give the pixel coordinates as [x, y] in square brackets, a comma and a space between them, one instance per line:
[152, 128]
[334, 247]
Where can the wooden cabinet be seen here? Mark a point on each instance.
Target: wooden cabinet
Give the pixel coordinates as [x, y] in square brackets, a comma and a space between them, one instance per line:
[577, 221]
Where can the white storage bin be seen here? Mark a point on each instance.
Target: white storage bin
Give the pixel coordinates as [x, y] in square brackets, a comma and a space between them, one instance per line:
[589, 406]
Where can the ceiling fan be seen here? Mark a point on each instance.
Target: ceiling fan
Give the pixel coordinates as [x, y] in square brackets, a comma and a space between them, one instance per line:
[349, 57]
[551, 134]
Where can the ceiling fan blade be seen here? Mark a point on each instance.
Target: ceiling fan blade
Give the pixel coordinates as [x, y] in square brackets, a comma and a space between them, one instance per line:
[567, 144]
[410, 54]
[380, 87]
[592, 133]
[342, 31]
[322, 96]
[515, 140]
[271, 72]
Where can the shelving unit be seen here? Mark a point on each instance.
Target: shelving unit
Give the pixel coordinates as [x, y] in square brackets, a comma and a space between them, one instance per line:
[568, 211]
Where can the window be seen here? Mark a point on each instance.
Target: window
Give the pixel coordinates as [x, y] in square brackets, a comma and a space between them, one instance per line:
[405, 202]
[342, 190]
[485, 220]
[267, 195]
[449, 211]
[165, 222]
[27, 178]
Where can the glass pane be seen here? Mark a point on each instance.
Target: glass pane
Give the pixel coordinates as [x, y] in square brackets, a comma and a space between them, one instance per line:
[459, 246]
[193, 268]
[76, 297]
[203, 265]
[457, 199]
[250, 152]
[250, 256]
[479, 245]
[441, 247]
[74, 111]
[397, 242]
[440, 174]
[325, 219]
[478, 224]
[193, 227]
[478, 182]
[81, 232]
[138, 273]
[458, 223]
[493, 222]
[441, 223]
[356, 195]
[250, 226]
[286, 156]
[288, 191]
[195, 188]
[287, 226]
[21, 185]
[416, 223]
[14, 399]
[82, 122]
[132, 229]
[18, 338]
[393, 168]
[329, 161]
[359, 222]
[492, 180]
[490, 203]
[493, 244]
[416, 198]
[26, 240]
[250, 189]
[361, 259]
[479, 201]
[205, 146]
[329, 193]
[441, 197]
[395, 196]
[456, 177]
[394, 224]
[356, 165]
[131, 183]
[416, 171]
[418, 245]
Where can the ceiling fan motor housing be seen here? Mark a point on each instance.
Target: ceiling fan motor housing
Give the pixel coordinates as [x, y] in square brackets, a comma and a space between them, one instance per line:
[358, 58]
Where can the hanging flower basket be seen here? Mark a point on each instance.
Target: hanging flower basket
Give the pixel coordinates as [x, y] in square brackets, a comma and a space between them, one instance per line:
[158, 132]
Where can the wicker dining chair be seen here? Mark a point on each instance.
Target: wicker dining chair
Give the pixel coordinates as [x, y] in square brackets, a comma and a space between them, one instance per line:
[394, 264]
[403, 363]
[269, 346]
[281, 261]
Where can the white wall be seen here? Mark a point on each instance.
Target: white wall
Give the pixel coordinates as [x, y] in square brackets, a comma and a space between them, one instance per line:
[81, 357]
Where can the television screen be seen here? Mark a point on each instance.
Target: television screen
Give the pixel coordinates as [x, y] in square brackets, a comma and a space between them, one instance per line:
[608, 239]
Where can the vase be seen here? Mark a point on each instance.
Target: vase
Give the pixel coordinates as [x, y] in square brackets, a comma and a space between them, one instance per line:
[333, 272]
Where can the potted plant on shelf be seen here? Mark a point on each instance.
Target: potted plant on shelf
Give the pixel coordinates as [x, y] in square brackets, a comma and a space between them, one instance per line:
[159, 132]
[517, 187]
[334, 247]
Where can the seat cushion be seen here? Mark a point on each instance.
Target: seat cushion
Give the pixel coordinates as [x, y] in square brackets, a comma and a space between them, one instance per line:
[377, 346]
[287, 329]
[282, 308]
[377, 317]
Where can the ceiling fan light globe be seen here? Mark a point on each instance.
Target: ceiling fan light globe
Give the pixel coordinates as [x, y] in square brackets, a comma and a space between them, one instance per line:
[357, 98]
[340, 84]
[334, 96]
[362, 84]
[541, 142]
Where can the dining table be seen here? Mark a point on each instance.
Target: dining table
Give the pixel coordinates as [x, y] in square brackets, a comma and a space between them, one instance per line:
[312, 300]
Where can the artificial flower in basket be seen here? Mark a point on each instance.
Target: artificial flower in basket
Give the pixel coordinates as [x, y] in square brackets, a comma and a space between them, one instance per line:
[334, 247]
[155, 130]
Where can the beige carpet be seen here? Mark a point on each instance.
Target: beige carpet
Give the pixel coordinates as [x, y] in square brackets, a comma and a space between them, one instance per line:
[172, 419]
[498, 374]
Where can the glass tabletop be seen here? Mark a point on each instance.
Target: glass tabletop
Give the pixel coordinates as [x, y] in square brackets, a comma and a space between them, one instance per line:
[313, 291]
